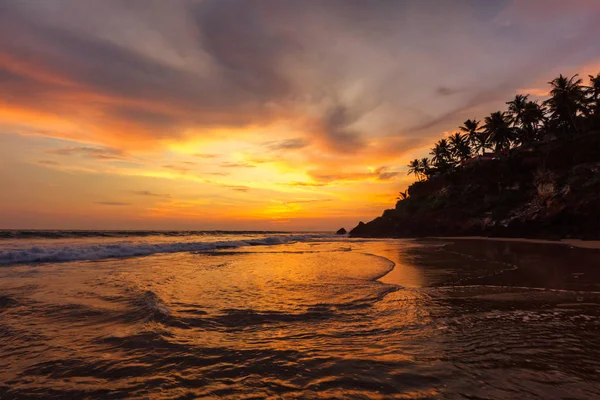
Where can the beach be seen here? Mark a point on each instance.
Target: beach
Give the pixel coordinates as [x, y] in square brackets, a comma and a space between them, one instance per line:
[300, 315]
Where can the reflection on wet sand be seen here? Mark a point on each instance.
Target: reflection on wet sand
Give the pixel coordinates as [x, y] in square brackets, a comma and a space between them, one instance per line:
[536, 265]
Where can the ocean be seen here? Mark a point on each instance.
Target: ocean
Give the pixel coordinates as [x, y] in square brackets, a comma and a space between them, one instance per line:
[182, 315]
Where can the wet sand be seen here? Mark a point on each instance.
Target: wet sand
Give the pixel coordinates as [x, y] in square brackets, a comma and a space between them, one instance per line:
[585, 244]
[538, 264]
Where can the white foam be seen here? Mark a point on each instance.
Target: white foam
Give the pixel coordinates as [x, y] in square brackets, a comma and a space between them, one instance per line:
[99, 250]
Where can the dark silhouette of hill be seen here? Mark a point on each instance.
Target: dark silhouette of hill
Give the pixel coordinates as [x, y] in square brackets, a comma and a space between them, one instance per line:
[531, 171]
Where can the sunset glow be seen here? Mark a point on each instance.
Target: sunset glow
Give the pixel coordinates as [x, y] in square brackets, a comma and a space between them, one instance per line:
[253, 115]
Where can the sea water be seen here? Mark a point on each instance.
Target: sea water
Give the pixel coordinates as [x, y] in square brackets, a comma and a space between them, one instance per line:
[303, 315]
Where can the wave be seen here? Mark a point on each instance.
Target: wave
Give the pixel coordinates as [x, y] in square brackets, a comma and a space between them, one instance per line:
[99, 251]
[73, 234]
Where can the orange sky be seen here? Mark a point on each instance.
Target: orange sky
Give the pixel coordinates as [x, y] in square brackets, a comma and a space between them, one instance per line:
[266, 115]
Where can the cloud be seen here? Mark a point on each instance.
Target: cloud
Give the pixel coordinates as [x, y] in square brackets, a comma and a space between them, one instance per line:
[48, 162]
[308, 201]
[380, 174]
[227, 164]
[337, 133]
[98, 153]
[289, 144]
[112, 203]
[177, 168]
[150, 194]
[446, 91]
[190, 66]
[237, 188]
[306, 184]
[230, 77]
[206, 155]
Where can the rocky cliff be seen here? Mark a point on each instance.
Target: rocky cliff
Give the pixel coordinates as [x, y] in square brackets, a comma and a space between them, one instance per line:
[546, 190]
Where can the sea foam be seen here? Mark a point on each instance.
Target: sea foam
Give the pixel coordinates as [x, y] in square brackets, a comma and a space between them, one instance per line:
[99, 250]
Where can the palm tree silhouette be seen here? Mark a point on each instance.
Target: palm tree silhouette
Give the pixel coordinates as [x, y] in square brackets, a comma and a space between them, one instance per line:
[516, 107]
[472, 129]
[442, 156]
[570, 108]
[593, 92]
[459, 146]
[533, 117]
[567, 100]
[414, 167]
[425, 166]
[481, 142]
[499, 131]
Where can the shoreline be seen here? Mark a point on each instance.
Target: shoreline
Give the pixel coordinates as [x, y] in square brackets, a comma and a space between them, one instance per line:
[579, 243]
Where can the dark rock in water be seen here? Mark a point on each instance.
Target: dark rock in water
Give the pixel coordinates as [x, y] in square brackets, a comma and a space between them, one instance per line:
[550, 191]
[342, 231]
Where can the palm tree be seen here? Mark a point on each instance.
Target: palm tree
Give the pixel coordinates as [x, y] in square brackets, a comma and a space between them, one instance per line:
[402, 195]
[459, 146]
[593, 92]
[471, 128]
[481, 142]
[442, 157]
[499, 131]
[516, 107]
[567, 100]
[414, 167]
[533, 117]
[425, 166]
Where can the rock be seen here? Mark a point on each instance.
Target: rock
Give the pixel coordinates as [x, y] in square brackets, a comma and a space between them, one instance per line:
[341, 231]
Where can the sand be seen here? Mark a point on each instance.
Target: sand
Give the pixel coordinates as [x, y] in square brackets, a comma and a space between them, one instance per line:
[585, 244]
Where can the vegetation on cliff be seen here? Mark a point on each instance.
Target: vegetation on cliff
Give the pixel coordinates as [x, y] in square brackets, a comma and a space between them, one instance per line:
[533, 171]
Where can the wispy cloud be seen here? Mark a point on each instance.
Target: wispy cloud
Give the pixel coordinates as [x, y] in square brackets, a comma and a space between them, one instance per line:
[237, 165]
[150, 194]
[289, 144]
[98, 153]
[237, 188]
[200, 155]
[112, 203]
[306, 184]
[48, 162]
[178, 168]
[379, 174]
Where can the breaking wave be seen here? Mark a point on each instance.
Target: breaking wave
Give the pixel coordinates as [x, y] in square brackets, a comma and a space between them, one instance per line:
[75, 234]
[99, 251]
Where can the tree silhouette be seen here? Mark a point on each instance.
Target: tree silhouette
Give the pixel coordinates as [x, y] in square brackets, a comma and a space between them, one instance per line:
[414, 167]
[471, 128]
[442, 157]
[516, 108]
[403, 195]
[533, 117]
[481, 142]
[425, 167]
[593, 91]
[499, 131]
[459, 146]
[567, 100]
[570, 108]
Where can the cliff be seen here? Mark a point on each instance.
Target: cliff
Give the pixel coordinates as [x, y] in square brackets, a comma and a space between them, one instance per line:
[544, 190]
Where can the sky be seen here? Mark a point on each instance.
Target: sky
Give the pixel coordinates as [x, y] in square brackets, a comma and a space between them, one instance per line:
[254, 114]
